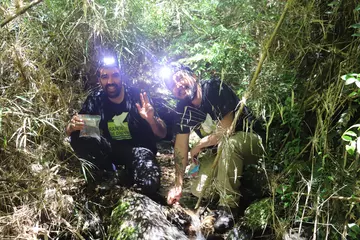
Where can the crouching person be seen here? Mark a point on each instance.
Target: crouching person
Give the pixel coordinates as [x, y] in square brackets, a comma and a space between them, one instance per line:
[208, 108]
[129, 128]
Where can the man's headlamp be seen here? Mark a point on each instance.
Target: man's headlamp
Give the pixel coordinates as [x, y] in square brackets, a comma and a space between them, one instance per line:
[166, 72]
[109, 61]
[106, 61]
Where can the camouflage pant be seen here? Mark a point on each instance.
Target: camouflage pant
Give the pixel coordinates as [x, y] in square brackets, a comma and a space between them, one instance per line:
[239, 150]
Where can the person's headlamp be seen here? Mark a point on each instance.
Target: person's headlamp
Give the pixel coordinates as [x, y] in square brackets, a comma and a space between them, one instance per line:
[106, 61]
[109, 61]
[167, 72]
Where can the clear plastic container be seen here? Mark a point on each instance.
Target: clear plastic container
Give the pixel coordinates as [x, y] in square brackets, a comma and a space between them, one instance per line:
[91, 126]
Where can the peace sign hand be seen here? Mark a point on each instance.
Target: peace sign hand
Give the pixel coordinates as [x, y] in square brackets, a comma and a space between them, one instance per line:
[146, 111]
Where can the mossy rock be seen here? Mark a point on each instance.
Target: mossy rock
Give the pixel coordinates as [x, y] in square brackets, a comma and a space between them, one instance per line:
[257, 215]
[138, 217]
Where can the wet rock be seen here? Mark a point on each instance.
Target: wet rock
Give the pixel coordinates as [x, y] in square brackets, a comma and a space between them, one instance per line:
[181, 219]
[293, 236]
[138, 217]
[238, 234]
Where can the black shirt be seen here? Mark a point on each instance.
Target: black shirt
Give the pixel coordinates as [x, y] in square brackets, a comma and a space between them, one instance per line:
[217, 101]
[121, 123]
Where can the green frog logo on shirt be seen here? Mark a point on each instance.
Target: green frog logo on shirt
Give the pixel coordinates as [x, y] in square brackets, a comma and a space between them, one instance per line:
[118, 129]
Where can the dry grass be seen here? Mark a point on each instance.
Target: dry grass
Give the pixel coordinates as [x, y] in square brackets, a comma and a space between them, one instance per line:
[38, 191]
[47, 58]
[37, 200]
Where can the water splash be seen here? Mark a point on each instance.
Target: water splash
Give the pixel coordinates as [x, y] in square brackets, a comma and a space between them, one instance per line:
[196, 225]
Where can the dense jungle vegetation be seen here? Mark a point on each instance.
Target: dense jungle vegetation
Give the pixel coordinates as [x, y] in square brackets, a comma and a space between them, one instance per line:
[307, 95]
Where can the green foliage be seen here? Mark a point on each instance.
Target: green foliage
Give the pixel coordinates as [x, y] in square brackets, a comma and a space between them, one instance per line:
[352, 138]
[302, 108]
[356, 25]
[354, 231]
[219, 37]
[351, 134]
[117, 219]
[352, 78]
[258, 214]
[48, 58]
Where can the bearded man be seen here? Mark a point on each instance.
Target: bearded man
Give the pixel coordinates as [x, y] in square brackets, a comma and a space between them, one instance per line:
[129, 128]
[208, 108]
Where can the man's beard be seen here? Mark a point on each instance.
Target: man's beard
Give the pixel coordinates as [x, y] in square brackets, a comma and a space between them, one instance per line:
[190, 97]
[113, 94]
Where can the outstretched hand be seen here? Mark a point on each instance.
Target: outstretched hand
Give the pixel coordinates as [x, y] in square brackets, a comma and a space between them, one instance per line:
[174, 195]
[75, 124]
[146, 110]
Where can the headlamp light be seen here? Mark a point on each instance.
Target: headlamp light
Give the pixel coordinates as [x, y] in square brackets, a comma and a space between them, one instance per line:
[106, 61]
[109, 61]
[166, 72]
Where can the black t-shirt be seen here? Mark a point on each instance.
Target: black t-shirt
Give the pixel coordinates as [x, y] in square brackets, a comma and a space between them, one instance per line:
[121, 123]
[217, 101]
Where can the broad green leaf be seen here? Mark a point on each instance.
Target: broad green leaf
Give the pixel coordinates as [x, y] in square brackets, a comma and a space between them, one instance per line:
[357, 8]
[346, 138]
[358, 145]
[352, 235]
[353, 94]
[350, 133]
[333, 4]
[350, 81]
[349, 75]
[350, 149]
[356, 25]
[356, 35]
[354, 227]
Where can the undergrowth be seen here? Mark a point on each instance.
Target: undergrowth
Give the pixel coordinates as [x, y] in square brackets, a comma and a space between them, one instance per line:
[48, 59]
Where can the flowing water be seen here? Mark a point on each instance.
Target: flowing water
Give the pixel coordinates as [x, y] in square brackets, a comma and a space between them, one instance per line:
[196, 224]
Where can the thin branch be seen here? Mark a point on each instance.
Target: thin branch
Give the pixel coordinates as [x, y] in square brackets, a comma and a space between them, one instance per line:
[10, 180]
[18, 13]
[350, 199]
[246, 95]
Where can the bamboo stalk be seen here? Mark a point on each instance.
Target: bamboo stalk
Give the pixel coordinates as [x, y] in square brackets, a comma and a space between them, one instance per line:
[19, 12]
[246, 95]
